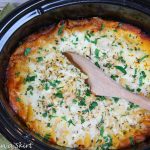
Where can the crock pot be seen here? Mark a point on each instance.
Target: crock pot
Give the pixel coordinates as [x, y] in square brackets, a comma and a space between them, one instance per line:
[33, 15]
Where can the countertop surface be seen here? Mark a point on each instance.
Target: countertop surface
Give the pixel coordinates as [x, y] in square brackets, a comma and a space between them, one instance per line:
[3, 3]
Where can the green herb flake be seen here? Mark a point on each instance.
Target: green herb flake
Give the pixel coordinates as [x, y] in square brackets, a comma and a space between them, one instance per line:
[141, 59]
[97, 51]
[138, 90]
[100, 98]
[85, 111]
[114, 77]
[120, 68]
[47, 137]
[82, 120]
[39, 59]
[108, 143]
[44, 114]
[64, 118]
[102, 131]
[54, 110]
[60, 30]
[54, 83]
[29, 89]
[102, 27]
[46, 87]
[30, 78]
[71, 122]
[135, 73]
[121, 59]
[18, 99]
[48, 125]
[131, 140]
[97, 64]
[93, 105]
[27, 51]
[17, 74]
[82, 102]
[88, 92]
[132, 106]
[61, 102]
[74, 101]
[141, 78]
[50, 105]
[108, 65]
[59, 94]
[129, 89]
[116, 99]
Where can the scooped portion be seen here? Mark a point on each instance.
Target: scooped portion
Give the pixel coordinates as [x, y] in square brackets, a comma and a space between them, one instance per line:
[51, 95]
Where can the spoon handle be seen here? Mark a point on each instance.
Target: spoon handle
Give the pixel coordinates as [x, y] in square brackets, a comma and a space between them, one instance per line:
[103, 85]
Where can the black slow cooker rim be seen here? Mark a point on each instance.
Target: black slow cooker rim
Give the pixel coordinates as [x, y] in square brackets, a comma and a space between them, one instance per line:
[12, 131]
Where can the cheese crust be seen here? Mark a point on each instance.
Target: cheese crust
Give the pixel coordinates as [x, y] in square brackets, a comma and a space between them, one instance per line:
[50, 94]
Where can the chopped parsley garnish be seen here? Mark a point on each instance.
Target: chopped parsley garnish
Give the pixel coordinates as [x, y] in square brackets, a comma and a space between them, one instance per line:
[135, 73]
[141, 78]
[103, 36]
[97, 51]
[48, 125]
[44, 114]
[131, 140]
[60, 30]
[61, 102]
[54, 110]
[129, 89]
[27, 51]
[108, 142]
[102, 27]
[120, 68]
[30, 89]
[100, 123]
[71, 122]
[50, 105]
[74, 101]
[59, 94]
[82, 102]
[18, 99]
[138, 90]
[39, 59]
[108, 65]
[116, 99]
[121, 59]
[114, 77]
[54, 83]
[47, 137]
[51, 116]
[132, 106]
[64, 118]
[100, 98]
[97, 64]
[54, 48]
[88, 36]
[82, 120]
[141, 59]
[102, 131]
[17, 74]
[93, 105]
[30, 78]
[46, 87]
[85, 111]
[88, 92]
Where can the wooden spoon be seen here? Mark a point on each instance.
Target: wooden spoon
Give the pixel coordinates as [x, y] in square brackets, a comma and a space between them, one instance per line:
[103, 85]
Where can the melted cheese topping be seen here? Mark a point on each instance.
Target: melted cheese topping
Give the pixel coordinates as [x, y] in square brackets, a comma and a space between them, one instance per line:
[61, 100]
